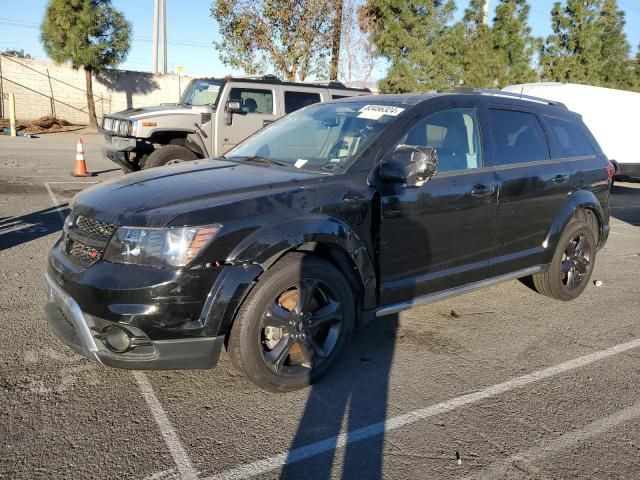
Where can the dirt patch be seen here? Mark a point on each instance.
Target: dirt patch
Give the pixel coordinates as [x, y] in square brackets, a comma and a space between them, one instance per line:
[45, 124]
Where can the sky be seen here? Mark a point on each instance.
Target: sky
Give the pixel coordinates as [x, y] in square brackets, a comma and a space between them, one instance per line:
[191, 31]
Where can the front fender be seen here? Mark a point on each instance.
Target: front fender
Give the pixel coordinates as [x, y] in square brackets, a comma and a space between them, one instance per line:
[267, 244]
[578, 199]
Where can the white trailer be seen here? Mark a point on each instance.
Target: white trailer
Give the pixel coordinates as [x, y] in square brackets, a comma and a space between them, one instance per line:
[611, 115]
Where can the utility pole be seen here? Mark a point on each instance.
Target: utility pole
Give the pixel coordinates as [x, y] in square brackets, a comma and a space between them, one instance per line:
[163, 29]
[485, 12]
[154, 48]
[335, 41]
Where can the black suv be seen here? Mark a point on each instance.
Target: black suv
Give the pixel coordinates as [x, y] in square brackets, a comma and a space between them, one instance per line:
[333, 215]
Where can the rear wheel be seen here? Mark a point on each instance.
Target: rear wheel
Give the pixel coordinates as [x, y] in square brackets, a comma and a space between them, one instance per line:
[573, 261]
[168, 154]
[294, 324]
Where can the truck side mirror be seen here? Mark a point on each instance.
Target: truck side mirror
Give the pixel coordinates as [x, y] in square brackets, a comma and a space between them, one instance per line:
[233, 106]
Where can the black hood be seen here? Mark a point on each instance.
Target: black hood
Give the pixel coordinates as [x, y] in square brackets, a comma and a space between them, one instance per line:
[154, 197]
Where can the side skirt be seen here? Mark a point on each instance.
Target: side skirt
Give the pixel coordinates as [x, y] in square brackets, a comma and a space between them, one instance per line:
[452, 292]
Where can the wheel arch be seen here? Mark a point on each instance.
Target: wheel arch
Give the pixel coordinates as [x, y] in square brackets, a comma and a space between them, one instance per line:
[582, 200]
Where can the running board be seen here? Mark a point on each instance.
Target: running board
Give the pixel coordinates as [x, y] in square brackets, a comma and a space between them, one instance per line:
[452, 292]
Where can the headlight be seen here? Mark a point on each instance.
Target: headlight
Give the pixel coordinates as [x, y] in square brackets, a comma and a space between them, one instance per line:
[159, 247]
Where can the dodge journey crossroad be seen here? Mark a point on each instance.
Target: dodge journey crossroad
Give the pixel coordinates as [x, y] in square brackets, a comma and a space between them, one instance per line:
[336, 214]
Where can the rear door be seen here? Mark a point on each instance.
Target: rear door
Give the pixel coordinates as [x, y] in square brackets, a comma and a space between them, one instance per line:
[533, 187]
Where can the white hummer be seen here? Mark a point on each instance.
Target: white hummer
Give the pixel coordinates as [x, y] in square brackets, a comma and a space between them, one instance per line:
[213, 115]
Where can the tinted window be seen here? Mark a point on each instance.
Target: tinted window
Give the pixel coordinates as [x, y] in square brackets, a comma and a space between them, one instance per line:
[454, 134]
[253, 100]
[518, 137]
[337, 97]
[568, 139]
[296, 100]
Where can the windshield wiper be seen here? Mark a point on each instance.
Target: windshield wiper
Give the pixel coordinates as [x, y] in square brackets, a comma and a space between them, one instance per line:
[258, 159]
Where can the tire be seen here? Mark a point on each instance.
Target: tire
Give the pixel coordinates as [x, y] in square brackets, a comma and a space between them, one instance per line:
[571, 260]
[296, 353]
[168, 153]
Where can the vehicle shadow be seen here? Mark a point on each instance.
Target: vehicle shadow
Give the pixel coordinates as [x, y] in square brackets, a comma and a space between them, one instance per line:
[625, 204]
[23, 229]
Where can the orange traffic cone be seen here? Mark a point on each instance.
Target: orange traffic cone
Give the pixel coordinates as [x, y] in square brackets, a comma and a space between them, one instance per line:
[80, 167]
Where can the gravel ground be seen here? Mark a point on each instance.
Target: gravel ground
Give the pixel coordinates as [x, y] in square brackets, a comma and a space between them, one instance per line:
[500, 383]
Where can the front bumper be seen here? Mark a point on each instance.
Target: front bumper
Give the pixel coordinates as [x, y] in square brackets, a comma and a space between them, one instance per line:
[119, 149]
[84, 333]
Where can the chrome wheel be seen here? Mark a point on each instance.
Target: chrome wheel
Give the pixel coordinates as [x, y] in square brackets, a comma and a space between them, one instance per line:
[575, 262]
[300, 328]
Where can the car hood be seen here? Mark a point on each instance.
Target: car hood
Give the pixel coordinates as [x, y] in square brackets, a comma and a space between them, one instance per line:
[152, 198]
[148, 112]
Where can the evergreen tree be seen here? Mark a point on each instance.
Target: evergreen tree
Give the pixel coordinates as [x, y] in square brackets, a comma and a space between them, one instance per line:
[573, 52]
[637, 69]
[477, 57]
[414, 37]
[615, 49]
[88, 33]
[513, 43]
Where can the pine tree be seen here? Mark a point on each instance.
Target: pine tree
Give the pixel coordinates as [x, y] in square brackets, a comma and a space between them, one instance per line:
[513, 43]
[615, 49]
[414, 37]
[477, 58]
[573, 52]
[88, 33]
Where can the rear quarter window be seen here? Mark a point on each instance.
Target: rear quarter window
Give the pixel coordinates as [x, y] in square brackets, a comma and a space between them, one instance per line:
[568, 139]
[518, 137]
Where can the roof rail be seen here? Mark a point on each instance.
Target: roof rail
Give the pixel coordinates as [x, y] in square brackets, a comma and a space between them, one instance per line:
[501, 93]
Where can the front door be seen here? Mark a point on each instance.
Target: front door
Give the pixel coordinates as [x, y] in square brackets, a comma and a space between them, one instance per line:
[439, 235]
[258, 110]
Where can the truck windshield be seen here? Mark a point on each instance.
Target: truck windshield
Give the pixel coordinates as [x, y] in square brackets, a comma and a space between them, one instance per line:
[326, 136]
[203, 91]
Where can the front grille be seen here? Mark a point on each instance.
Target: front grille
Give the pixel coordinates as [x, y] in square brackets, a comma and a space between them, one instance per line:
[84, 254]
[94, 227]
[86, 239]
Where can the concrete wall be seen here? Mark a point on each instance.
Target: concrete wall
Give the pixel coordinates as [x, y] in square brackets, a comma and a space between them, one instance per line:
[42, 88]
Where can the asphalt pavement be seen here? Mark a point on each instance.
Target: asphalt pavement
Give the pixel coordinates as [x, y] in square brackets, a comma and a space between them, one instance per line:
[500, 383]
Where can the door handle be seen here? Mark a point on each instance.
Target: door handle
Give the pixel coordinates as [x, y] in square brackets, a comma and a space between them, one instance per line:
[266, 122]
[560, 178]
[483, 190]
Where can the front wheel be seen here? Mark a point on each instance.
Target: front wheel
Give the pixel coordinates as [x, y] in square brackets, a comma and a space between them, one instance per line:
[167, 155]
[573, 261]
[294, 324]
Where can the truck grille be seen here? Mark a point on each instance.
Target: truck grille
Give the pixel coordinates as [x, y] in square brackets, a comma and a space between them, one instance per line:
[116, 126]
[85, 239]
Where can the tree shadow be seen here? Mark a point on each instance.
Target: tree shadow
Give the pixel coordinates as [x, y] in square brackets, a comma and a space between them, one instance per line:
[23, 229]
[129, 83]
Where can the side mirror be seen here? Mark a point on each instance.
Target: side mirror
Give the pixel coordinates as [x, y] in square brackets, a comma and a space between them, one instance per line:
[233, 106]
[411, 164]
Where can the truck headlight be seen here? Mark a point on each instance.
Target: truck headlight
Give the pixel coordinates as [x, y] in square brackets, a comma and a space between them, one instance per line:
[159, 247]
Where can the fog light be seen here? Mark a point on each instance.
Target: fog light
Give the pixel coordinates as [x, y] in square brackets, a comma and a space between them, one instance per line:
[117, 339]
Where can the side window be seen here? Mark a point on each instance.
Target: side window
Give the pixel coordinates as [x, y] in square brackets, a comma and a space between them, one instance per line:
[337, 97]
[253, 100]
[518, 137]
[568, 139]
[454, 134]
[296, 100]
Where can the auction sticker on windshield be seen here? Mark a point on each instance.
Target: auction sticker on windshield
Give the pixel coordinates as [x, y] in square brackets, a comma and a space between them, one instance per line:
[374, 112]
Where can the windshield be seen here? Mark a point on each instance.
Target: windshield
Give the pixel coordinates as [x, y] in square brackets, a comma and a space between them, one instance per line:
[326, 136]
[201, 92]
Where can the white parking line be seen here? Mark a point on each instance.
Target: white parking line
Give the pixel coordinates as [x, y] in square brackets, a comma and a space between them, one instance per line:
[171, 438]
[339, 441]
[563, 442]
